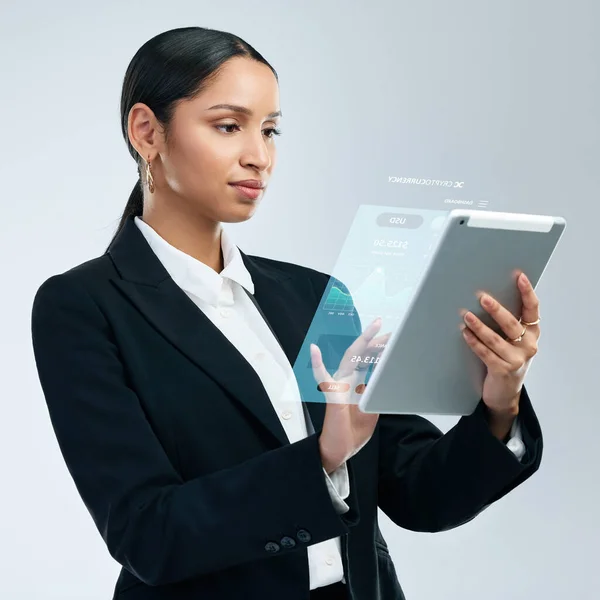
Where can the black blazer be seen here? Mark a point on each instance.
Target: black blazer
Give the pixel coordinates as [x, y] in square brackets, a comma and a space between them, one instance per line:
[179, 457]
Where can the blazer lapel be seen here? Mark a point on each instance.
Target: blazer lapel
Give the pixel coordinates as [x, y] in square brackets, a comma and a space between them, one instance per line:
[147, 284]
[287, 329]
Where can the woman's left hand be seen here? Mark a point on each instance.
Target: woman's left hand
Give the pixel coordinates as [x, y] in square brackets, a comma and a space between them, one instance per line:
[507, 360]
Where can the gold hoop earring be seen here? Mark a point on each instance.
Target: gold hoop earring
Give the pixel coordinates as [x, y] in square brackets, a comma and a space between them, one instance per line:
[149, 176]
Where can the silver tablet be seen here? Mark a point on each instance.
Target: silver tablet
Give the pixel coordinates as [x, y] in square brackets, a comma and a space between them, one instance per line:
[426, 366]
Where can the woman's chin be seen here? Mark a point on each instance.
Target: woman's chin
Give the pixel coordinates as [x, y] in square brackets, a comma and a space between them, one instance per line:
[241, 212]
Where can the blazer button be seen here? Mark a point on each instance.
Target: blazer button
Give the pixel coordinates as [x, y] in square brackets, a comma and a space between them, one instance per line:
[303, 535]
[272, 547]
[288, 542]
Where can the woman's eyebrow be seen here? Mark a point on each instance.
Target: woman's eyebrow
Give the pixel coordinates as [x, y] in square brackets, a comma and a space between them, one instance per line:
[242, 109]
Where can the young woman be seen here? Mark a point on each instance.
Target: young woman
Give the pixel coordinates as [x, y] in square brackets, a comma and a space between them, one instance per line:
[166, 363]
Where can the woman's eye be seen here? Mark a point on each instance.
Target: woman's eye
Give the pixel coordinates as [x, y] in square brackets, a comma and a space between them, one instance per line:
[272, 131]
[228, 125]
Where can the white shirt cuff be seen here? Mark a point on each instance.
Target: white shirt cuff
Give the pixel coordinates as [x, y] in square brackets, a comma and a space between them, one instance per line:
[338, 485]
[515, 444]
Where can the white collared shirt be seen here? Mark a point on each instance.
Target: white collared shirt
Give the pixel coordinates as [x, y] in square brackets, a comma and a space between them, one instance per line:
[221, 298]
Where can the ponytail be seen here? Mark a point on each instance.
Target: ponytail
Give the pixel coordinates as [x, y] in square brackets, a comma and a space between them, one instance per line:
[134, 207]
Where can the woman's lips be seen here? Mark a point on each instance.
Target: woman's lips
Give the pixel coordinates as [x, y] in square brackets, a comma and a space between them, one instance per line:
[247, 192]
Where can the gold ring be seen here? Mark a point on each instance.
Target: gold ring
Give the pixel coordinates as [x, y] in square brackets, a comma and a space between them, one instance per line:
[529, 324]
[520, 337]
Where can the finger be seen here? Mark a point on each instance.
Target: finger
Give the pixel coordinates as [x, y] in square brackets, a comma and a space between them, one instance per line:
[531, 303]
[502, 348]
[374, 351]
[320, 372]
[508, 323]
[369, 333]
[493, 362]
[379, 343]
[334, 391]
[358, 348]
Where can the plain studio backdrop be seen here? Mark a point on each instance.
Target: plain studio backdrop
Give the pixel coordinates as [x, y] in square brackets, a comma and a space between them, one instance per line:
[501, 96]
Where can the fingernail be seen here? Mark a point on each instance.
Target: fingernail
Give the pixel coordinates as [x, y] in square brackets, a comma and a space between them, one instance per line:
[524, 278]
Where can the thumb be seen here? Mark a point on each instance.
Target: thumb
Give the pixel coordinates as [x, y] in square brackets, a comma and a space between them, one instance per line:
[319, 371]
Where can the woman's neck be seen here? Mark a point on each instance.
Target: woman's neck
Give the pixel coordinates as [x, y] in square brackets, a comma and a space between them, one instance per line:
[200, 239]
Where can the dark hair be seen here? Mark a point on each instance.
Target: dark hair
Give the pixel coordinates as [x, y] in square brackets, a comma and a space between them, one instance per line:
[174, 65]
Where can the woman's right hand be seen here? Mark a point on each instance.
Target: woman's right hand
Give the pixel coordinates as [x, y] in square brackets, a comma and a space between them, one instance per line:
[346, 429]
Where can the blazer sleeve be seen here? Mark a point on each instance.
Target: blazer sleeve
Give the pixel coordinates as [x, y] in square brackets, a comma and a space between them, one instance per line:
[429, 481]
[159, 527]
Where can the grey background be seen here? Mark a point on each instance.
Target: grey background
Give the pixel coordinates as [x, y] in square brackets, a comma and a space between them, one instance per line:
[503, 96]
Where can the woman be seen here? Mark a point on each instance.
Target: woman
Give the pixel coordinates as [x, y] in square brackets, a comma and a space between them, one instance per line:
[165, 363]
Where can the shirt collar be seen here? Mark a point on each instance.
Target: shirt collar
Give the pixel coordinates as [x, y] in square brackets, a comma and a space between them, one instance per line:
[196, 277]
